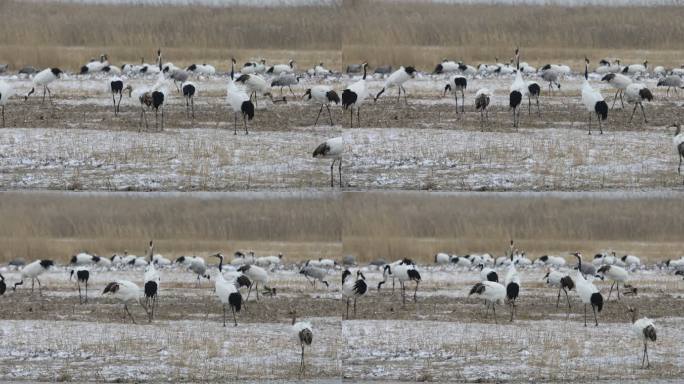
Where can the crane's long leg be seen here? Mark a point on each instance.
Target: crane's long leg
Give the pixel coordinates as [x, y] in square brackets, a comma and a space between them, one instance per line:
[538, 110]
[621, 101]
[187, 107]
[192, 106]
[235, 124]
[399, 95]
[162, 117]
[40, 287]
[44, 90]
[339, 169]
[558, 299]
[234, 317]
[78, 284]
[351, 115]
[332, 176]
[456, 101]
[633, 110]
[256, 289]
[3, 116]
[347, 308]
[114, 101]
[585, 315]
[494, 309]
[244, 120]
[49, 93]
[319, 115]
[679, 168]
[354, 306]
[615, 98]
[302, 364]
[529, 105]
[358, 116]
[249, 292]
[403, 293]
[567, 298]
[129, 313]
[291, 91]
[405, 97]
[595, 318]
[33, 283]
[590, 123]
[617, 289]
[415, 293]
[611, 291]
[118, 105]
[329, 114]
[86, 291]
[224, 315]
[643, 112]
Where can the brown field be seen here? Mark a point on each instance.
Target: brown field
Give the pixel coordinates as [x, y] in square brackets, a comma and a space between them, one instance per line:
[55, 225]
[417, 225]
[417, 33]
[423, 33]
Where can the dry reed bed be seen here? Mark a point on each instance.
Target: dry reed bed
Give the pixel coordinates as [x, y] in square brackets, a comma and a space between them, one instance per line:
[380, 32]
[417, 225]
[55, 225]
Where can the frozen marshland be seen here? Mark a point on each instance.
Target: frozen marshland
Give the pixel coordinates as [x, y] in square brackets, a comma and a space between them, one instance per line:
[77, 143]
[444, 336]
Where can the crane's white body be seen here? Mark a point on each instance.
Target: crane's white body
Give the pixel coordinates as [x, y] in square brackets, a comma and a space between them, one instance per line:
[336, 148]
[6, 91]
[236, 96]
[128, 291]
[33, 270]
[161, 260]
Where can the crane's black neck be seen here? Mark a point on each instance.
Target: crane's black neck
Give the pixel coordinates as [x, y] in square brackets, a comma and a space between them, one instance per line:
[364, 72]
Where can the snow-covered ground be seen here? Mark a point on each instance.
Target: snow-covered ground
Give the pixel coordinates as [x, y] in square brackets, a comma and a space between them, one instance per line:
[77, 143]
[445, 336]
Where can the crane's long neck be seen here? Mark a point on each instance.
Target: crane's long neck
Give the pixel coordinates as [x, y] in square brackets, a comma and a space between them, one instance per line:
[232, 70]
[294, 319]
[364, 72]
[678, 130]
[221, 264]
[586, 71]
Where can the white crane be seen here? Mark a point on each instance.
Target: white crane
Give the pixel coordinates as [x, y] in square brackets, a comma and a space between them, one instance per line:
[563, 282]
[457, 85]
[512, 283]
[386, 271]
[331, 149]
[446, 66]
[555, 261]
[678, 143]
[587, 292]
[257, 275]
[518, 91]
[353, 288]
[189, 90]
[228, 292]
[405, 273]
[644, 330]
[202, 69]
[116, 86]
[533, 91]
[323, 95]
[153, 98]
[593, 100]
[303, 333]
[43, 79]
[254, 67]
[279, 69]
[94, 66]
[320, 70]
[32, 271]
[488, 274]
[617, 275]
[151, 284]
[84, 258]
[637, 93]
[442, 258]
[354, 96]
[491, 292]
[239, 101]
[633, 69]
[397, 79]
[631, 261]
[124, 291]
[82, 276]
[620, 83]
[255, 85]
[6, 91]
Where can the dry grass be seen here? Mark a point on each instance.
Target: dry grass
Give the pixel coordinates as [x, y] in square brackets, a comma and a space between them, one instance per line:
[69, 34]
[380, 32]
[423, 33]
[408, 224]
[54, 225]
